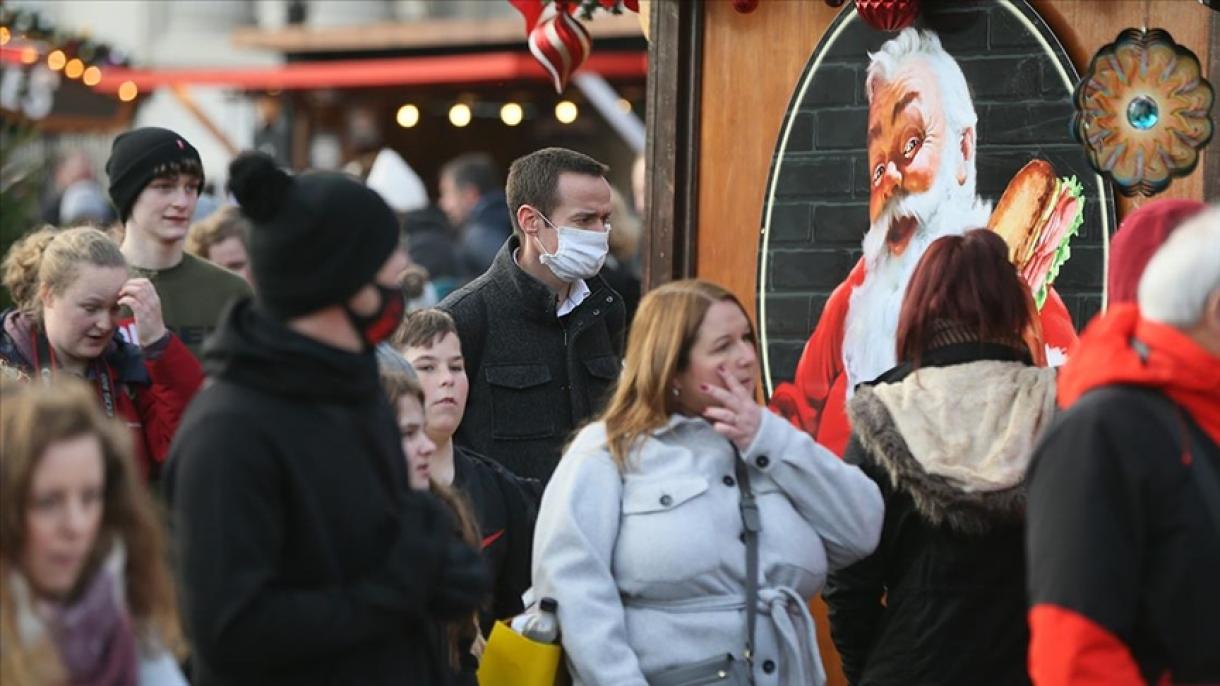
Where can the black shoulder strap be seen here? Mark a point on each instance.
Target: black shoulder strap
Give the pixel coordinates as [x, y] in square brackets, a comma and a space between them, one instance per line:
[752, 524]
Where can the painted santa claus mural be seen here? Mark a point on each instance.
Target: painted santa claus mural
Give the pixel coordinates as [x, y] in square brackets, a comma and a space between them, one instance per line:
[922, 148]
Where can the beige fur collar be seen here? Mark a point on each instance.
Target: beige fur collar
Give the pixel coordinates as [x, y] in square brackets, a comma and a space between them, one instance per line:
[960, 435]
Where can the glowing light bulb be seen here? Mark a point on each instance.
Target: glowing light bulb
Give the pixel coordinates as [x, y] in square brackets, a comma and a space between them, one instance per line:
[459, 115]
[624, 105]
[5, 35]
[74, 68]
[128, 91]
[566, 111]
[408, 116]
[511, 114]
[92, 76]
[56, 60]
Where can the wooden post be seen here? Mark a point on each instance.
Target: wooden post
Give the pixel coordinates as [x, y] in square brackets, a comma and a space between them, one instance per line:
[184, 97]
[1211, 156]
[672, 149]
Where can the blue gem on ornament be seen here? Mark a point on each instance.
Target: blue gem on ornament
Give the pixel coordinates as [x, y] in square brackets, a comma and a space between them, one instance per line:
[1142, 113]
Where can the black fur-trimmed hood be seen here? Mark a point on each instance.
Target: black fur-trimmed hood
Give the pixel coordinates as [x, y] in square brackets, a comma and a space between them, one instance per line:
[958, 438]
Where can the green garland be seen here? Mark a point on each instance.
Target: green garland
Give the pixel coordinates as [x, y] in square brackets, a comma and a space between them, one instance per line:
[588, 7]
[1064, 250]
[31, 26]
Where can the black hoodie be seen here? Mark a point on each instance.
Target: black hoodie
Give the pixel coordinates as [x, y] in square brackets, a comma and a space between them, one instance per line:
[304, 558]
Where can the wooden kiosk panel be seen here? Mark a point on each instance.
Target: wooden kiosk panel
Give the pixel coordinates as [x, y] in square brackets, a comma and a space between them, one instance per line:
[750, 67]
[746, 69]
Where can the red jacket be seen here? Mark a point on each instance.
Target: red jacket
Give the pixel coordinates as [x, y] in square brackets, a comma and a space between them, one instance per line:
[815, 400]
[149, 388]
[1122, 555]
[154, 409]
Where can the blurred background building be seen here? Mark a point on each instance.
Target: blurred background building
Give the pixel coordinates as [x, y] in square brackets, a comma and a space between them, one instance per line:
[317, 83]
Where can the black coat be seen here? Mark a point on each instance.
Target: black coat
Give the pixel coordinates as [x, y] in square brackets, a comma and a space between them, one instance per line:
[304, 558]
[506, 507]
[1120, 534]
[942, 600]
[534, 377]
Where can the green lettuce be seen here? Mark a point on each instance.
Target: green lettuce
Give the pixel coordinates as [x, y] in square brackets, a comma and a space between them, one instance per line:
[1064, 250]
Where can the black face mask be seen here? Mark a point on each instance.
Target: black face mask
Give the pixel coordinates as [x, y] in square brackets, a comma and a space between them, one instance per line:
[381, 324]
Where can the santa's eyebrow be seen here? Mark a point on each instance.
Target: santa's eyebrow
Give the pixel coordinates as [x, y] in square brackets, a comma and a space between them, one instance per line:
[902, 103]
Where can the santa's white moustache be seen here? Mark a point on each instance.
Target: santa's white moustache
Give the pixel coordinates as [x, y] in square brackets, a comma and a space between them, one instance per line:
[948, 208]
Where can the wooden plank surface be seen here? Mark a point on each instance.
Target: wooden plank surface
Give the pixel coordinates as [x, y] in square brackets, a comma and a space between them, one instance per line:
[671, 149]
[751, 63]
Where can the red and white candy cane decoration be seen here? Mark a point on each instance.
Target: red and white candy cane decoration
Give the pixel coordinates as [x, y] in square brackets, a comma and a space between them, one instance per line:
[561, 44]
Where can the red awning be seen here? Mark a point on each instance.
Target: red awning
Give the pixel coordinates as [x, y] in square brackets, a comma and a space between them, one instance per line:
[364, 73]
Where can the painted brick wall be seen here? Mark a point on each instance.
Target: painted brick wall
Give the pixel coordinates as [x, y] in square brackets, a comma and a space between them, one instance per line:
[820, 211]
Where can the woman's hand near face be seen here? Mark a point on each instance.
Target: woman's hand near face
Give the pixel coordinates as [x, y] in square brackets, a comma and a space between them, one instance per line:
[139, 296]
[736, 416]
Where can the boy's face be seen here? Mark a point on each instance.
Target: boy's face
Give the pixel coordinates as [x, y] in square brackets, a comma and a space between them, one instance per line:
[442, 372]
[162, 212]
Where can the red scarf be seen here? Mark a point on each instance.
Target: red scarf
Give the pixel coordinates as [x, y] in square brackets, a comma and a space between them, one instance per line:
[1174, 364]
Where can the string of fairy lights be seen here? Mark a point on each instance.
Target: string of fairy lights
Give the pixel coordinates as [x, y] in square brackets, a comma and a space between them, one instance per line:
[462, 113]
[33, 38]
[29, 37]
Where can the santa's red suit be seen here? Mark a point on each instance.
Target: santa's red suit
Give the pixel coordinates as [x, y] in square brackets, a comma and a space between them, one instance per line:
[815, 401]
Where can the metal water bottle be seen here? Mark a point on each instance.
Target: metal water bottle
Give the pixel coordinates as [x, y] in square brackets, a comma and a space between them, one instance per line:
[541, 626]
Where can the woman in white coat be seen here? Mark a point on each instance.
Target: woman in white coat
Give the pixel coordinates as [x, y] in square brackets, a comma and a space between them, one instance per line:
[640, 536]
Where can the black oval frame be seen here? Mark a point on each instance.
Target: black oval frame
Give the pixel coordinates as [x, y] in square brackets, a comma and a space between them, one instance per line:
[807, 245]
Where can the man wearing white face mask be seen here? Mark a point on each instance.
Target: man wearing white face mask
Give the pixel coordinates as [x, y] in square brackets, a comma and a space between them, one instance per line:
[542, 333]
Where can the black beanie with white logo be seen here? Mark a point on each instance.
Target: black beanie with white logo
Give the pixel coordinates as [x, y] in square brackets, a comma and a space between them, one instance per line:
[138, 156]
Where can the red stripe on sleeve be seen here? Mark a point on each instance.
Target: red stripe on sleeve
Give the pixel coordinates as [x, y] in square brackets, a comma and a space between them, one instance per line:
[1067, 648]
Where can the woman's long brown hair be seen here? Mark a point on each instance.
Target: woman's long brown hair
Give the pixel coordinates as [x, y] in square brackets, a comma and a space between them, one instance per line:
[396, 386]
[658, 348]
[968, 281]
[32, 417]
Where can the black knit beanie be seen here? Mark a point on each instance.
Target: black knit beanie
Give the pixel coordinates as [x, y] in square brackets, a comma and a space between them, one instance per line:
[135, 159]
[317, 238]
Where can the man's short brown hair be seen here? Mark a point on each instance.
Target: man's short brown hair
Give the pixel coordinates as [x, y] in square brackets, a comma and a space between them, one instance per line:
[423, 328]
[474, 170]
[219, 226]
[534, 179]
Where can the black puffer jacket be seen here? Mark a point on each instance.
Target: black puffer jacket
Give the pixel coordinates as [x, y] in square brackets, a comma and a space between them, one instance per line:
[304, 558]
[948, 446]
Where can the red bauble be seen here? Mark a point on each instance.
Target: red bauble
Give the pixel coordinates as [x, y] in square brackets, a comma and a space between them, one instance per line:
[888, 15]
[745, 6]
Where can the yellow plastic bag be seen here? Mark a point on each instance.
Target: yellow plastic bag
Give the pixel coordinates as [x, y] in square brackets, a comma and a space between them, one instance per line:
[511, 659]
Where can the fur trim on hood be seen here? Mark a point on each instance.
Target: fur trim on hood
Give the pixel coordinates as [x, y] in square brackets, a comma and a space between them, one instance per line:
[959, 438]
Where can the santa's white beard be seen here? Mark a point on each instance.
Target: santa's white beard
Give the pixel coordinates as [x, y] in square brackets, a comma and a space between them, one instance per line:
[871, 326]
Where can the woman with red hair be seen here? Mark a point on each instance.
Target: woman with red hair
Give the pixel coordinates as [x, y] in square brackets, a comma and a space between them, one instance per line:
[947, 435]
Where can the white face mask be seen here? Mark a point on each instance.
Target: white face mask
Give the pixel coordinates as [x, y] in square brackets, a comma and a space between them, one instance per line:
[580, 254]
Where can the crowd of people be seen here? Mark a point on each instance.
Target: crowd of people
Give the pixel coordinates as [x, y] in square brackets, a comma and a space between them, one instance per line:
[242, 451]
